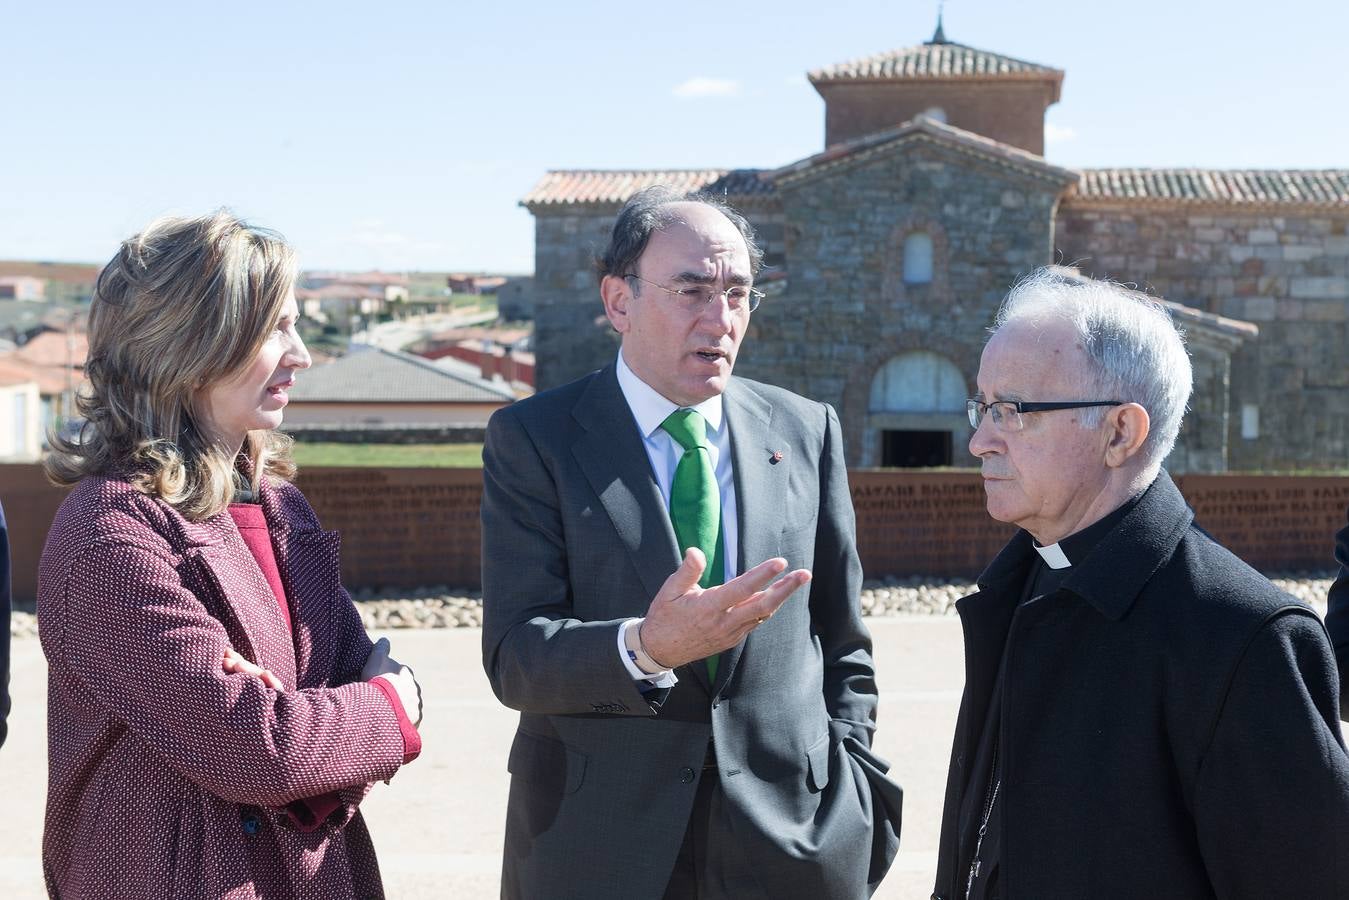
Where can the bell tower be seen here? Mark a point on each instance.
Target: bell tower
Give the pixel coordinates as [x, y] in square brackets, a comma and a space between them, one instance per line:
[996, 96]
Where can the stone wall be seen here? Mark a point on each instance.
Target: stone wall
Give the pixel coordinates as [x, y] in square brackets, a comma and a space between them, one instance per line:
[1013, 113]
[1287, 273]
[571, 335]
[847, 310]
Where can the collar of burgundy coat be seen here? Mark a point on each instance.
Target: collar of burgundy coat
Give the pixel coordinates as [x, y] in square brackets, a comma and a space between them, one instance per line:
[309, 562]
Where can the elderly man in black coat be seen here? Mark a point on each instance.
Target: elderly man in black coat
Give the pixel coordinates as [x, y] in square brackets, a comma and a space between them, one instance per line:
[1144, 715]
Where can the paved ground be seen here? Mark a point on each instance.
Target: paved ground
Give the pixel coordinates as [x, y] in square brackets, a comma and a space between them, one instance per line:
[438, 826]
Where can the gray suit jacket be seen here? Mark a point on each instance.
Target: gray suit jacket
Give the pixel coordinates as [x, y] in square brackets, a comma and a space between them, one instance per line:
[577, 538]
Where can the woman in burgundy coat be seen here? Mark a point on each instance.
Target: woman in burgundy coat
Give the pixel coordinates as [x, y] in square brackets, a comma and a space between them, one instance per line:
[216, 711]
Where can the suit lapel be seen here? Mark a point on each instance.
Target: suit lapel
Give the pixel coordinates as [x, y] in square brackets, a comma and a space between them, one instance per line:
[611, 454]
[309, 560]
[760, 488]
[246, 597]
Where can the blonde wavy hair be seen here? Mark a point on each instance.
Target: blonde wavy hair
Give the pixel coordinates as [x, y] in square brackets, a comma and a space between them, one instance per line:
[183, 305]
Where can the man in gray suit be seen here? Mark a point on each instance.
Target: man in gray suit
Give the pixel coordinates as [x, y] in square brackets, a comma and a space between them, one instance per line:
[680, 737]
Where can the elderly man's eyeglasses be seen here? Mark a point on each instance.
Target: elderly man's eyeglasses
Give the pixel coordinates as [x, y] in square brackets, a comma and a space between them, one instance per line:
[1006, 414]
[695, 298]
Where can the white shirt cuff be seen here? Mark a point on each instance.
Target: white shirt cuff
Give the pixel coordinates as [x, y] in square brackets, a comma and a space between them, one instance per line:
[662, 679]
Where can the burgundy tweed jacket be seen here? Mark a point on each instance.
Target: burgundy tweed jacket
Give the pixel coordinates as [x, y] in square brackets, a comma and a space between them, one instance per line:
[167, 777]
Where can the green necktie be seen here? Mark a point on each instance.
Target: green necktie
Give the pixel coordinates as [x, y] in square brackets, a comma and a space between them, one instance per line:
[695, 501]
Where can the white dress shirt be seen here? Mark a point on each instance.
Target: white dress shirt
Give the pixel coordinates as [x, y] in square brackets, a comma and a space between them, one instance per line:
[650, 409]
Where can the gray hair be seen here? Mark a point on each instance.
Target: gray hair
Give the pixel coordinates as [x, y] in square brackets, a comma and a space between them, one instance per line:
[649, 210]
[1137, 352]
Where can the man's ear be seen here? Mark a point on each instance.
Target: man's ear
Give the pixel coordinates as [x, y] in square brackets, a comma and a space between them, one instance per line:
[1128, 426]
[616, 294]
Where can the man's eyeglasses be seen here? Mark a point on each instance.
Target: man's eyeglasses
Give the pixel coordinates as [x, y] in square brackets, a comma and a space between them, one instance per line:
[696, 297]
[1007, 414]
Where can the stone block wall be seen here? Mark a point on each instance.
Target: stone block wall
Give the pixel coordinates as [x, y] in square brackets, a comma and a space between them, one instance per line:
[571, 334]
[847, 310]
[1286, 272]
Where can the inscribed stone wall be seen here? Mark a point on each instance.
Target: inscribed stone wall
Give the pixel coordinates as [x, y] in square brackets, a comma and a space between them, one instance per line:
[847, 310]
[1287, 273]
[420, 527]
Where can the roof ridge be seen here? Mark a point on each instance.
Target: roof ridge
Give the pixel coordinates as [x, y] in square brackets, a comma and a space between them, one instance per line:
[925, 125]
[968, 62]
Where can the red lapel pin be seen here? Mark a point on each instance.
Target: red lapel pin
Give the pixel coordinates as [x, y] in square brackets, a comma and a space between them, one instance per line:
[776, 457]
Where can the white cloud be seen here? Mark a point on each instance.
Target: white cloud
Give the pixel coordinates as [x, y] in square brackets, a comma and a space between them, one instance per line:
[706, 87]
[1057, 134]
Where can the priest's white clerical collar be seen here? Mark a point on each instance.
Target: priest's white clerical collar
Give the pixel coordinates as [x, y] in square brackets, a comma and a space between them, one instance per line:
[1053, 555]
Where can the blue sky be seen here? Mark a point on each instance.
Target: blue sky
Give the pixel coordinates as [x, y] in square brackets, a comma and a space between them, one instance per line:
[402, 134]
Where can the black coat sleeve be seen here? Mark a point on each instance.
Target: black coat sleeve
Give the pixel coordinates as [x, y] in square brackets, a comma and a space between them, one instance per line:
[4, 628]
[1272, 794]
[1337, 616]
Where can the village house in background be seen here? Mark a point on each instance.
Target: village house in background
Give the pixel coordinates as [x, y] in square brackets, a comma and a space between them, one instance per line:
[23, 287]
[499, 353]
[337, 297]
[892, 248]
[20, 415]
[58, 283]
[43, 376]
[371, 390]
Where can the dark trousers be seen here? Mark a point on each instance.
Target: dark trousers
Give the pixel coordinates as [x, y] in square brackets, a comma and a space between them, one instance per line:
[692, 858]
[715, 869]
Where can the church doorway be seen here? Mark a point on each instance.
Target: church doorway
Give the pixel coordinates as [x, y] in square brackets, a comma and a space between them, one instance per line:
[915, 449]
[915, 412]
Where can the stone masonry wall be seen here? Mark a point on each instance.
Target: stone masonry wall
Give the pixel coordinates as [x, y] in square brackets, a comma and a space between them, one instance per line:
[1286, 272]
[847, 310]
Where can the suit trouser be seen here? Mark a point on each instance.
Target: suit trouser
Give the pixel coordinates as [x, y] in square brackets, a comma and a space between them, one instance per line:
[709, 865]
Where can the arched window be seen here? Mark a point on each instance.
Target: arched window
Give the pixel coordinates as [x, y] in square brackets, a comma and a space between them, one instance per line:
[918, 258]
[918, 382]
[935, 112]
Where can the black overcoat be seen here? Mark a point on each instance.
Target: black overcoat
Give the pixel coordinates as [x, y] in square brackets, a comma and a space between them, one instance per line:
[1168, 724]
[4, 628]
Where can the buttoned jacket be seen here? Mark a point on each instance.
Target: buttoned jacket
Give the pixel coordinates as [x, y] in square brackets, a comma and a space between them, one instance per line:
[576, 539]
[168, 777]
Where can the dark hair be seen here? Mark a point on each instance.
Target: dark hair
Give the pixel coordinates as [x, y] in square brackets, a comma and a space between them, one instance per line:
[650, 210]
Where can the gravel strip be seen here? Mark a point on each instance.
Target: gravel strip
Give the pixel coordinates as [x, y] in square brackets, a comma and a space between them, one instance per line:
[443, 607]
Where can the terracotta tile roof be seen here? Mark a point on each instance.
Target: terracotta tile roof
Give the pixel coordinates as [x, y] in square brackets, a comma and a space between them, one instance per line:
[12, 374]
[944, 61]
[50, 379]
[924, 128]
[1319, 187]
[614, 186]
[50, 348]
[375, 375]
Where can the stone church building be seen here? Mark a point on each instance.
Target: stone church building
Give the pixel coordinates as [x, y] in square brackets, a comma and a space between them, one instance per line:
[890, 250]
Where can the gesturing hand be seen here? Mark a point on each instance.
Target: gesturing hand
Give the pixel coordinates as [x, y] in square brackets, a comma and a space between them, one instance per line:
[686, 622]
[235, 664]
